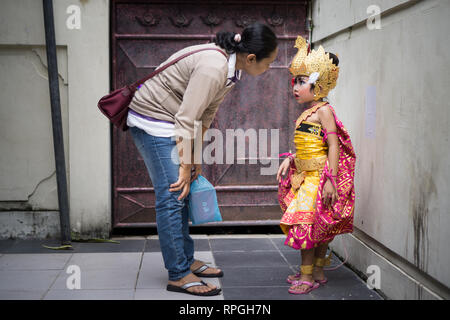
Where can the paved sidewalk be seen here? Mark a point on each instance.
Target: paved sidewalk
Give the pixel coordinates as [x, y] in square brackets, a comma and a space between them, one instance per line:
[255, 267]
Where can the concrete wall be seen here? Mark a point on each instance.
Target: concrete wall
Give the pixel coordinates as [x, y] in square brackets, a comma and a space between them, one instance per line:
[392, 97]
[28, 194]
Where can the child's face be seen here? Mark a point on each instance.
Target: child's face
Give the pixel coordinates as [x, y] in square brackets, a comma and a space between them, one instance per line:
[302, 90]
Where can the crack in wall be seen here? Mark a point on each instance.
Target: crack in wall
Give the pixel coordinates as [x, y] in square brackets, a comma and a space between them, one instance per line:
[40, 183]
[40, 66]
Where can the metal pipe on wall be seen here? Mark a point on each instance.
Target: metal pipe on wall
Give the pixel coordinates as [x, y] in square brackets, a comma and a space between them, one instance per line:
[58, 140]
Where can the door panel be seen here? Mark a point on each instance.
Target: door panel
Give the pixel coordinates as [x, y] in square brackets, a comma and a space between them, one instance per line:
[143, 35]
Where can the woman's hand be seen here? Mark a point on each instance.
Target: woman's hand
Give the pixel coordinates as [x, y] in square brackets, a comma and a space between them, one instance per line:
[283, 168]
[197, 170]
[329, 194]
[184, 181]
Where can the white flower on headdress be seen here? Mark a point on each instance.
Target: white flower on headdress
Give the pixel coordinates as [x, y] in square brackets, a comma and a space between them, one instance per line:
[313, 77]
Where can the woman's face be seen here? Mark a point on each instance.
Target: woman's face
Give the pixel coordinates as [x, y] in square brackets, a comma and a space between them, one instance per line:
[255, 68]
[302, 90]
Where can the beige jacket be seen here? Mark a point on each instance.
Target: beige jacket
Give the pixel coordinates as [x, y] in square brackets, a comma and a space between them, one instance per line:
[190, 90]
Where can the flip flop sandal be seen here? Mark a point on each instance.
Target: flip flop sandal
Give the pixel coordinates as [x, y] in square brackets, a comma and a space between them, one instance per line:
[290, 281]
[183, 289]
[323, 281]
[299, 283]
[198, 273]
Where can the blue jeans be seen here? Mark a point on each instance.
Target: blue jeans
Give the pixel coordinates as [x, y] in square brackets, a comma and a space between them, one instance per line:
[177, 246]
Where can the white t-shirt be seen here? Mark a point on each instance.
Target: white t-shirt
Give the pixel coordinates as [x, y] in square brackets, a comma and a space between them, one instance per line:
[154, 128]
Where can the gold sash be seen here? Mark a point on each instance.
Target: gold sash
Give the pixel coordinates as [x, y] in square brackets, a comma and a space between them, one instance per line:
[304, 165]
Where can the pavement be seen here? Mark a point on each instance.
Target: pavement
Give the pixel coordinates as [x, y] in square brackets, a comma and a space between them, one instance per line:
[255, 268]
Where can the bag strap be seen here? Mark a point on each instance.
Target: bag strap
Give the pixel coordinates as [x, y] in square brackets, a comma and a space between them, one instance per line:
[154, 73]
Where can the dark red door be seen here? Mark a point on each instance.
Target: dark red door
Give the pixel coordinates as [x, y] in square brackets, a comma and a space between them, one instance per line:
[143, 35]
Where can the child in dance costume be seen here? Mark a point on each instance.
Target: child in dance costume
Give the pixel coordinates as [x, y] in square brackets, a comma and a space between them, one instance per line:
[317, 197]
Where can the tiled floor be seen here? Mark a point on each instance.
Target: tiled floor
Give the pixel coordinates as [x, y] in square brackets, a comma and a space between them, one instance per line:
[255, 267]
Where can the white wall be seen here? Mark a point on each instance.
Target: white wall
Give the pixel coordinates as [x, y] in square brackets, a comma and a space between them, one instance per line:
[27, 167]
[403, 165]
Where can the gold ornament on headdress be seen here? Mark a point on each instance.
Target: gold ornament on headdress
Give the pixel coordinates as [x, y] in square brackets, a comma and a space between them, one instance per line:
[317, 61]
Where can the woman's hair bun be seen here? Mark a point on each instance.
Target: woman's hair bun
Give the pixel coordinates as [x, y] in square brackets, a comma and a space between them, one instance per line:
[256, 38]
[225, 40]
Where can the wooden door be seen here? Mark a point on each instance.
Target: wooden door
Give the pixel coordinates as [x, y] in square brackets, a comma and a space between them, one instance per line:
[146, 33]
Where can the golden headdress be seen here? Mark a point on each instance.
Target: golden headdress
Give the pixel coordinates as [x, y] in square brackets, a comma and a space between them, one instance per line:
[317, 65]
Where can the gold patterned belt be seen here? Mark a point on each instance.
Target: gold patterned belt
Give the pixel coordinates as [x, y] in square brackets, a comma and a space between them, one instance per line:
[304, 165]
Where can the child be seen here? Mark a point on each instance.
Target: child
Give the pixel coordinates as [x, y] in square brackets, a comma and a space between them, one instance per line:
[317, 198]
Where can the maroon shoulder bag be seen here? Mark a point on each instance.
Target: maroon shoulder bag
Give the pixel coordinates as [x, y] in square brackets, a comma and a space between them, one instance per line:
[115, 105]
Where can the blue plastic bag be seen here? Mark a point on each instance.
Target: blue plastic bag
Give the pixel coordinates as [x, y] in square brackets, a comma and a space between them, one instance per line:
[203, 206]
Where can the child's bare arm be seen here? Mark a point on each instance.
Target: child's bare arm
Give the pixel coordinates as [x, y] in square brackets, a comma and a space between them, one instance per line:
[328, 123]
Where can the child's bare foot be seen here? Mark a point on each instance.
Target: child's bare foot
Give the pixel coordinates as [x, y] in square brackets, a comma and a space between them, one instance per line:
[194, 289]
[293, 277]
[318, 275]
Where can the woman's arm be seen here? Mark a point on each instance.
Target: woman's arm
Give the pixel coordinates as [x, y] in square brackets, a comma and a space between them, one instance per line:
[202, 89]
[198, 166]
[205, 82]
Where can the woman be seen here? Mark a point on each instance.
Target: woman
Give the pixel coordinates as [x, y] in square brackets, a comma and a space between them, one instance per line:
[162, 116]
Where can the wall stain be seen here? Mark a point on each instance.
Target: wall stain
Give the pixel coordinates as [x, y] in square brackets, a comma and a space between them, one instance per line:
[422, 191]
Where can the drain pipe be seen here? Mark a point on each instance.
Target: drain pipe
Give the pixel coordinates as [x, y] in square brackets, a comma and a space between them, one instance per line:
[309, 22]
[58, 141]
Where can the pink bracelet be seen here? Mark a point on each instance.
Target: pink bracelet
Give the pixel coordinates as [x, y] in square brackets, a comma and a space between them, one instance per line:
[288, 154]
[329, 176]
[325, 134]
